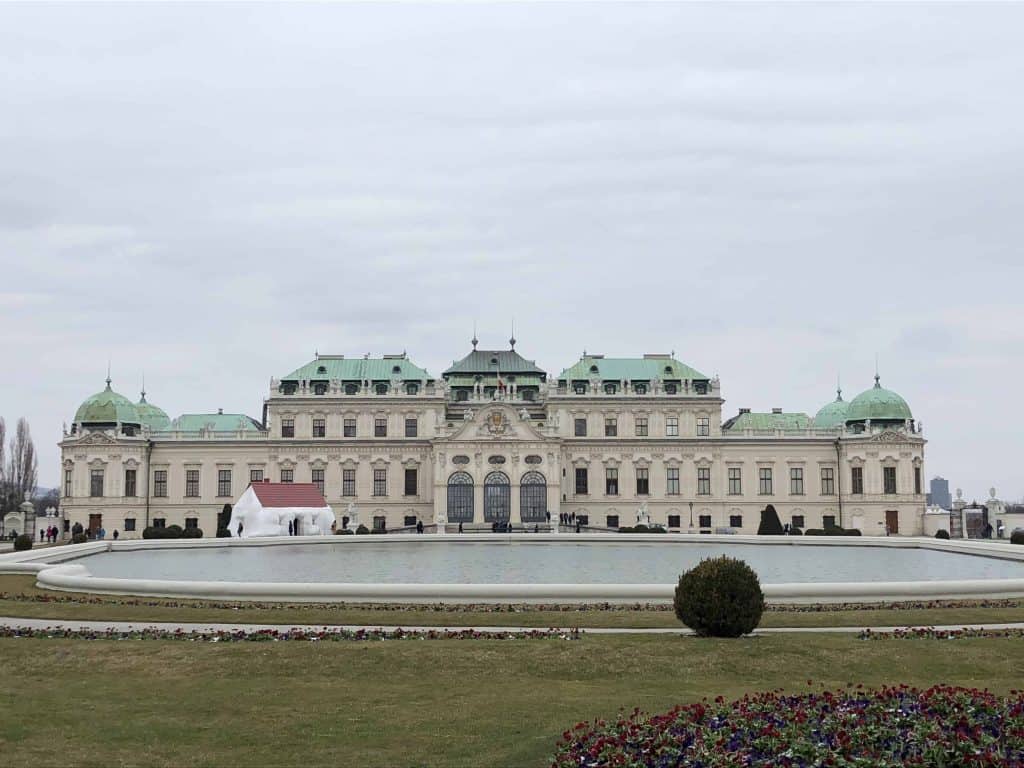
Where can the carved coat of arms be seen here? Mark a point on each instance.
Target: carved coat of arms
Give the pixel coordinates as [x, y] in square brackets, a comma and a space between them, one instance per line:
[496, 423]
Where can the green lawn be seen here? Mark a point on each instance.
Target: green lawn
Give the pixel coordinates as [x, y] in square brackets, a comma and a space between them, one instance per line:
[411, 703]
[111, 609]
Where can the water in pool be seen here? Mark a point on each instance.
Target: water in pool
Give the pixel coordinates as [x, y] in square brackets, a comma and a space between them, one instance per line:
[517, 562]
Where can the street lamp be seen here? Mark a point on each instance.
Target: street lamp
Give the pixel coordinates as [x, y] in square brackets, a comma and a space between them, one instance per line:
[691, 517]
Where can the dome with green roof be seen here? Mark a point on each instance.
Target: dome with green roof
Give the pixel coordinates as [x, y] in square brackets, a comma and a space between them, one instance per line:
[152, 416]
[107, 407]
[878, 405]
[832, 415]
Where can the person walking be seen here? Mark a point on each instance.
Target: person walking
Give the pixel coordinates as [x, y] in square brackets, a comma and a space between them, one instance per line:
[116, 534]
[460, 526]
[419, 526]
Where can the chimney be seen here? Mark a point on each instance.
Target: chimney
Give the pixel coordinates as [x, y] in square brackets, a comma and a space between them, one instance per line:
[744, 410]
[776, 410]
[220, 411]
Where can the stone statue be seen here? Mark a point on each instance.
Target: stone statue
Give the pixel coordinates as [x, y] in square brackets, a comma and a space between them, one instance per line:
[524, 414]
[468, 415]
[352, 512]
[642, 515]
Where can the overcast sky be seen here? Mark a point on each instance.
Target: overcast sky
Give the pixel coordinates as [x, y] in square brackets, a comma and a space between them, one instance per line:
[208, 194]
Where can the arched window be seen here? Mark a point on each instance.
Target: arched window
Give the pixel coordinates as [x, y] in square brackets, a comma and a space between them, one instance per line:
[497, 498]
[460, 498]
[533, 498]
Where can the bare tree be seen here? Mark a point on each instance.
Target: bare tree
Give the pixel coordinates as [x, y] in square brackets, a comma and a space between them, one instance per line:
[22, 465]
[4, 490]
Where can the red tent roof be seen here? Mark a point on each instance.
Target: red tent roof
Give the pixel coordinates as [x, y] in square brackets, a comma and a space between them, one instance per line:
[289, 495]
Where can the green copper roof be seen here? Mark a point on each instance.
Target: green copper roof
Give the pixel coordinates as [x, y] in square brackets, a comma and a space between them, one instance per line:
[107, 407]
[490, 361]
[327, 367]
[631, 368]
[878, 404]
[767, 421]
[215, 422]
[832, 415]
[153, 417]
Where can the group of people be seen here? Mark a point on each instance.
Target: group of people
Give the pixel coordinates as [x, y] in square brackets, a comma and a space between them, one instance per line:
[93, 534]
[50, 534]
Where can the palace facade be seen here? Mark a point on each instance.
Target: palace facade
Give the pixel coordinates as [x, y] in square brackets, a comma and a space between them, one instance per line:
[496, 439]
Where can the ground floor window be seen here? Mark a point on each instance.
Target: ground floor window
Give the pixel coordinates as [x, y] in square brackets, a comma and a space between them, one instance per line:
[735, 521]
[191, 523]
[705, 521]
[673, 521]
[828, 521]
[129, 524]
[612, 521]
[409, 521]
[380, 523]
[798, 521]
[460, 498]
[583, 519]
[159, 522]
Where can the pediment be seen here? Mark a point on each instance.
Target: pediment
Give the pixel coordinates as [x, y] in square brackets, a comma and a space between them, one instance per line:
[888, 436]
[97, 438]
[496, 422]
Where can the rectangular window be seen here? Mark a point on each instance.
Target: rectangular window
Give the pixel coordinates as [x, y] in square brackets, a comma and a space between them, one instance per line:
[411, 427]
[287, 427]
[255, 475]
[672, 426]
[67, 483]
[889, 478]
[857, 480]
[380, 482]
[319, 428]
[764, 476]
[672, 476]
[223, 482]
[641, 426]
[348, 482]
[580, 427]
[798, 521]
[828, 521]
[191, 523]
[581, 480]
[703, 426]
[411, 482]
[703, 481]
[917, 480]
[318, 479]
[612, 521]
[704, 521]
[409, 521]
[380, 427]
[828, 481]
[673, 521]
[380, 523]
[611, 427]
[160, 483]
[96, 482]
[159, 522]
[583, 519]
[349, 428]
[735, 521]
[129, 524]
[287, 475]
[796, 481]
[129, 482]
[611, 481]
[735, 481]
[643, 486]
[192, 483]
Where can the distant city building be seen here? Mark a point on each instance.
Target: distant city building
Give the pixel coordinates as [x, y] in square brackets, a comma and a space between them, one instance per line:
[939, 495]
[496, 440]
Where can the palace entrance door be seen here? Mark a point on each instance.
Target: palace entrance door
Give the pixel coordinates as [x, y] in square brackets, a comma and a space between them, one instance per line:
[95, 522]
[497, 498]
[892, 522]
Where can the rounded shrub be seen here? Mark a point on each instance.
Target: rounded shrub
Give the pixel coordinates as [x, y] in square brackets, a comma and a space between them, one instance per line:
[192, 533]
[223, 533]
[22, 543]
[79, 538]
[149, 532]
[173, 532]
[362, 530]
[343, 532]
[1017, 537]
[942, 534]
[720, 597]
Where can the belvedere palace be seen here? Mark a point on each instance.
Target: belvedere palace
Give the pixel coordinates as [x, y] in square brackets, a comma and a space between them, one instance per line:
[496, 439]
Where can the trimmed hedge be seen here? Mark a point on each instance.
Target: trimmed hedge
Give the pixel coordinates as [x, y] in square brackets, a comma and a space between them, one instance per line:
[362, 530]
[343, 532]
[192, 533]
[641, 529]
[770, 523]
[171, 532]
[720, 597]
[834, 530]
[79, 538]
[1017, 537]
[22, 543]
[942, 534]
[223, 533]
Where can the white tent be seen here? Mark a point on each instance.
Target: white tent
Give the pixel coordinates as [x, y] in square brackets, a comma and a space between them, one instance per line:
[266, 509]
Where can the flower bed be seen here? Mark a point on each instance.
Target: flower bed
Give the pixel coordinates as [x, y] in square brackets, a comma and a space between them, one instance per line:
[931, 633]
[283, 635]
[888, 727]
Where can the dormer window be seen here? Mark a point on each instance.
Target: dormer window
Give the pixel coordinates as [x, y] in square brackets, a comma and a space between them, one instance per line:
[593, 369]
[640, 389]
[610, 388]
[494, 361]
[671, 389]
[700, 387]
[579, 388]
[289, 387]
[381, 389]
[351, 389]
[412, 388]
[320, 388]
[396, 369]
[668, 370]
[321, 369]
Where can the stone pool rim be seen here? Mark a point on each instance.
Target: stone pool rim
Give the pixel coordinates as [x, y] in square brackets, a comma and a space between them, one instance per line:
[55, 569]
